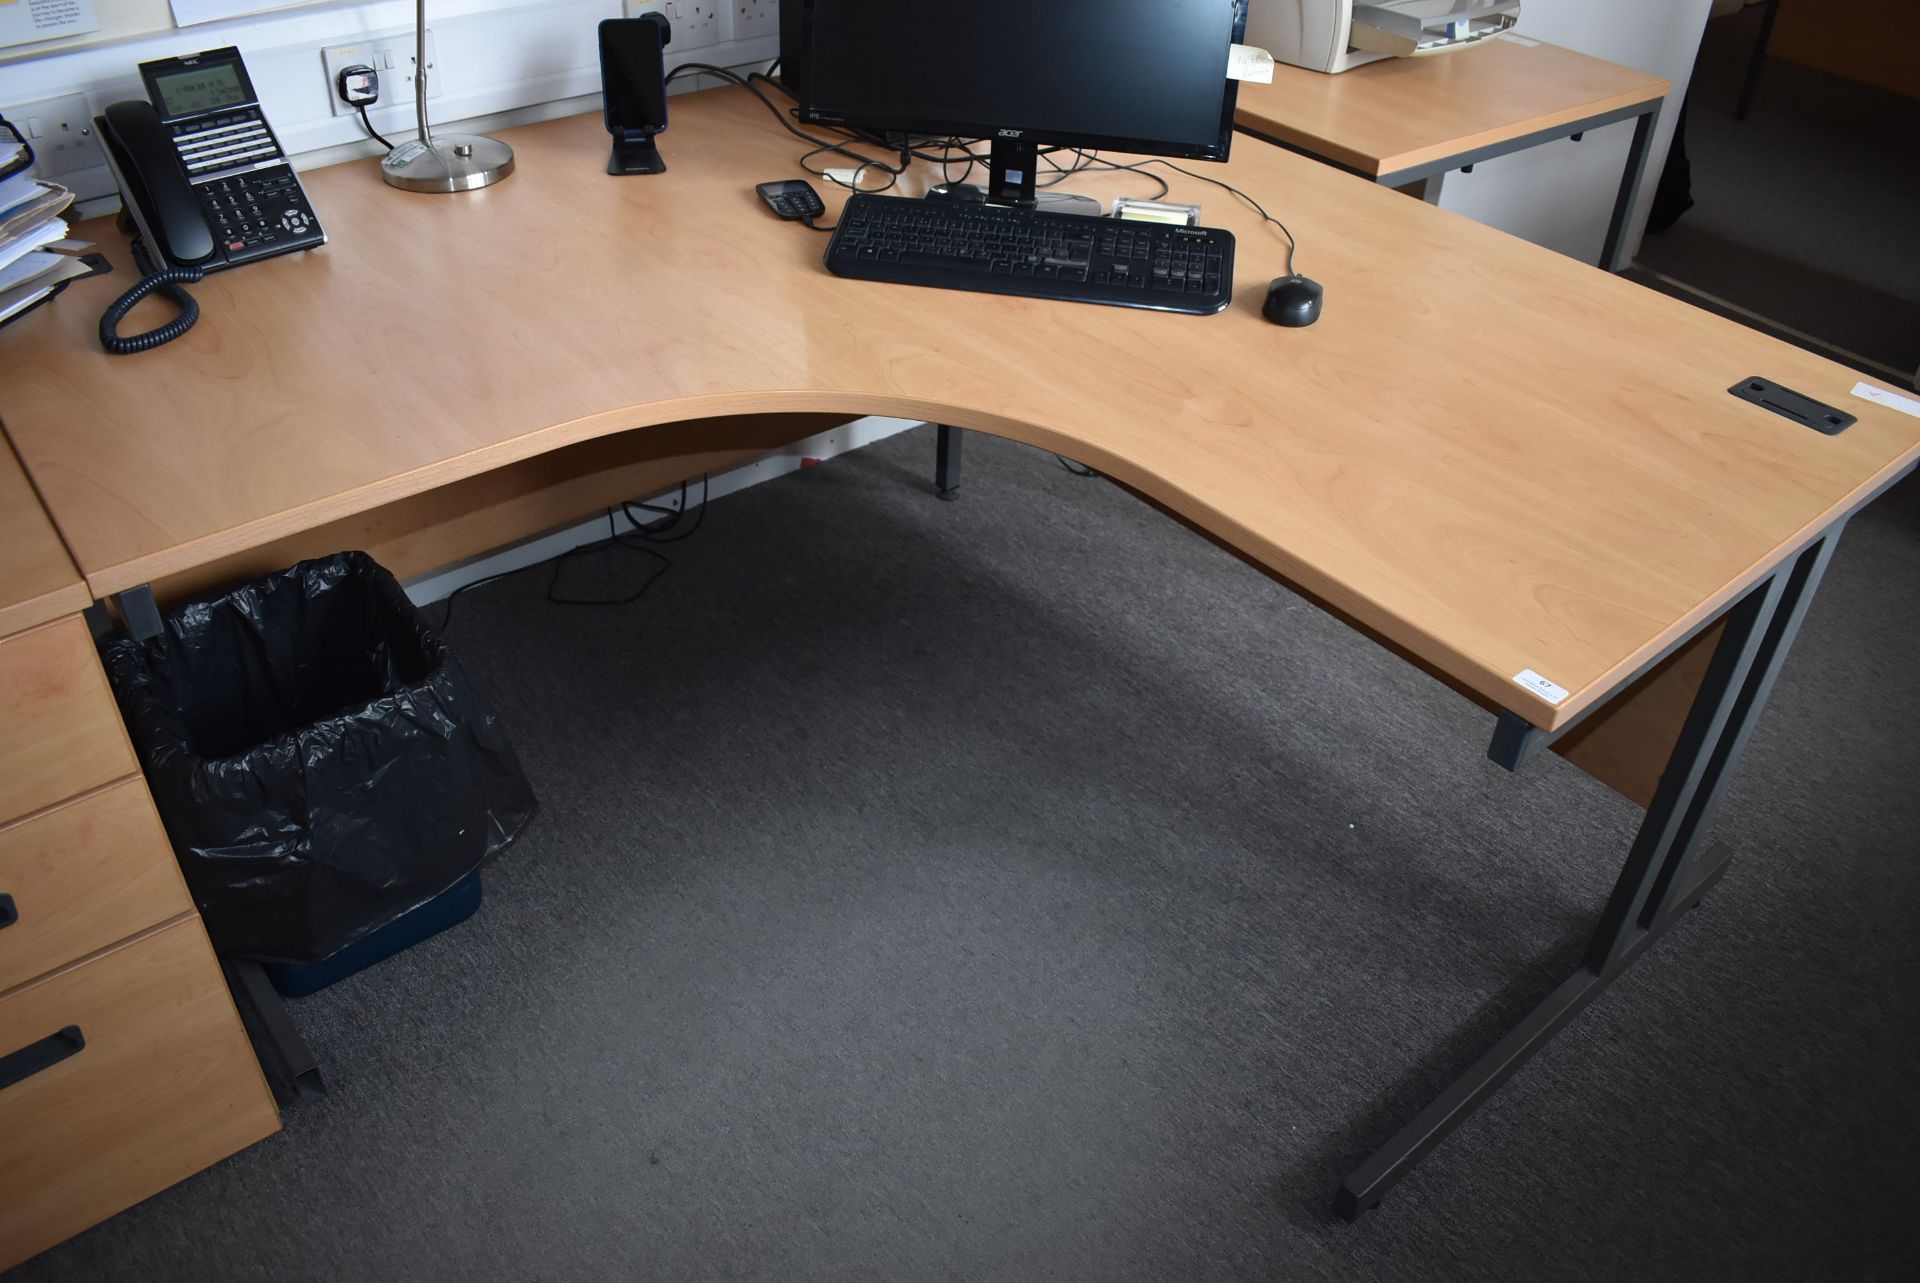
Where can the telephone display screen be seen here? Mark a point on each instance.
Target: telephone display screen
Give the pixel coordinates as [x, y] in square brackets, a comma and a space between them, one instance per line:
[183, 93]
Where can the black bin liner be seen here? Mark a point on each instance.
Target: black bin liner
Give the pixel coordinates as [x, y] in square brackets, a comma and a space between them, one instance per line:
[321, 761]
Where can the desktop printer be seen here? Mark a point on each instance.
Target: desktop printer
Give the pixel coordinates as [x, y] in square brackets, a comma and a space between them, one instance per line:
[1334, 35]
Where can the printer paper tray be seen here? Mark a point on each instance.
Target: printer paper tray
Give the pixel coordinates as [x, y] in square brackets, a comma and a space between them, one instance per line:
[1408, 28]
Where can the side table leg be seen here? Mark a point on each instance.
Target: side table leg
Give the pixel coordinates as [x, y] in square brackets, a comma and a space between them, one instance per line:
[946, 462]
[1757, 63]
[1613, 253]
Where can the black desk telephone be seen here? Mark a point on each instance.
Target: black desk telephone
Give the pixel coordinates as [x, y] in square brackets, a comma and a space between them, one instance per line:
[203, 181]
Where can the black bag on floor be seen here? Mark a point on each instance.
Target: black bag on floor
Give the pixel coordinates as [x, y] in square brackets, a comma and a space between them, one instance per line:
[321, 761]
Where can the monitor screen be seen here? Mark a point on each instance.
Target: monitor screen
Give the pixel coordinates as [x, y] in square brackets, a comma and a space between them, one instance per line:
[1129, 75]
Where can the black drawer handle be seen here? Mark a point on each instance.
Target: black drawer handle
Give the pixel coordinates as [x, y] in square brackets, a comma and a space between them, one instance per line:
[8, 914]
[21, 1065]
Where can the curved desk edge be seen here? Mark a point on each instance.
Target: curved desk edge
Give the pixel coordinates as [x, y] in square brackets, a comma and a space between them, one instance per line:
[798, 413]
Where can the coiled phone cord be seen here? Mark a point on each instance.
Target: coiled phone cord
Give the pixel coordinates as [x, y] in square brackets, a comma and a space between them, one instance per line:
[168, 283]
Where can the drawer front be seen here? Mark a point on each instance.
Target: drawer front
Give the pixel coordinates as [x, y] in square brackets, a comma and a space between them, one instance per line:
[164, 1085]
[81, 877]
[60, 731]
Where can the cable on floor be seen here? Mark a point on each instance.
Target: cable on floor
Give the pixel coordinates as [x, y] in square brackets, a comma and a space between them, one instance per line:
[641, 539]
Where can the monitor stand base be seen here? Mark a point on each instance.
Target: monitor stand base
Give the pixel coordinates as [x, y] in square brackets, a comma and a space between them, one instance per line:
[958, 193]
[1012, 168]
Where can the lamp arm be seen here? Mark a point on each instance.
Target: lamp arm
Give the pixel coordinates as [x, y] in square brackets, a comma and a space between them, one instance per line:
[420, 70]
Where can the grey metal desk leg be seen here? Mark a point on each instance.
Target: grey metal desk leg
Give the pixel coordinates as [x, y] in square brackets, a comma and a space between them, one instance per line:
[140, 611]
[273, 1030]
[1613, 253]
[1668, 868]
[946, 462]
[1751, 85]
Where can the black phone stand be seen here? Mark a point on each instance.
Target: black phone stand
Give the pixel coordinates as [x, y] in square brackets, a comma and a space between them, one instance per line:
[633, 87]
[636, 154]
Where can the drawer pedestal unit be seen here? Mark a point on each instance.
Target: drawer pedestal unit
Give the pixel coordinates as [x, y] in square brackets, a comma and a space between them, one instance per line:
[123, 1065]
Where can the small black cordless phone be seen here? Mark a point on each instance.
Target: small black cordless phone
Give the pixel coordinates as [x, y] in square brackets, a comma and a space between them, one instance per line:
[793, 199]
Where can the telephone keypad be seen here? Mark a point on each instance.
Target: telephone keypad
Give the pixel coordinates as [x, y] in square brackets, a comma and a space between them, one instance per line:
[259, 213]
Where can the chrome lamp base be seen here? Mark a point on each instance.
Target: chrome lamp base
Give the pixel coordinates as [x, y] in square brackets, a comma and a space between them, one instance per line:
[450, 163]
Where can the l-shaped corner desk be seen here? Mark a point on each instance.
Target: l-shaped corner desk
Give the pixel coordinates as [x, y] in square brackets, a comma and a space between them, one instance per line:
[1517, 472]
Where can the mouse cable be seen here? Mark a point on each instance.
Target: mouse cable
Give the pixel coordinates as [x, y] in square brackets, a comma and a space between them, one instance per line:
[152, 280]
[1292, 244]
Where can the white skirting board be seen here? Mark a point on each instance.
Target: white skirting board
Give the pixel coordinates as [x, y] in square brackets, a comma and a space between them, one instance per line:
[439, 584]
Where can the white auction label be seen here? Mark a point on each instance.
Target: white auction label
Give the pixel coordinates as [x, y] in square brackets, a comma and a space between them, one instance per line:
[1893, 400]
[1552, 692]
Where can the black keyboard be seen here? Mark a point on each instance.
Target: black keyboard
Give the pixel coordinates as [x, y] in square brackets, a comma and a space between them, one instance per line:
[1033, 253]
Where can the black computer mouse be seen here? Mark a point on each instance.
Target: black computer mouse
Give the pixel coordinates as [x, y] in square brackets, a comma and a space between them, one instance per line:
[1293, 301]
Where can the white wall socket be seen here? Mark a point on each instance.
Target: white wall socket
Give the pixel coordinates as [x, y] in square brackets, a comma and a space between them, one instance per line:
[392, 57]
[60, 131]
[754, 18]
[696, 23]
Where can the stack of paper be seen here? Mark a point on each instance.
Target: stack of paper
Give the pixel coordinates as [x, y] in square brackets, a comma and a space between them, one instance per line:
[35, 254]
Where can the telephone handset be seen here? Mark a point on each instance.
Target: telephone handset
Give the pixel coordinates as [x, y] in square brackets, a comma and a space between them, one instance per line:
[204, 182]
[153, 188]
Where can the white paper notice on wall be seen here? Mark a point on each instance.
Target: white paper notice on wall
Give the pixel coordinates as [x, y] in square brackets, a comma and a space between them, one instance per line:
[25, 21]
[187, 13]
[1245, 62]
[1552, 692]
[1892, 400]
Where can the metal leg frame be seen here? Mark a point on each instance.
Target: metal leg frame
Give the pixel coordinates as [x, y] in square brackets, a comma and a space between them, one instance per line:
[138, 608]
[1613, 254]
[946, 462]
[273, 1031]
[1667, 870]
[1644, 116]
[1758, 62]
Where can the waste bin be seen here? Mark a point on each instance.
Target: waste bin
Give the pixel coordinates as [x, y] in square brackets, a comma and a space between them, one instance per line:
[329, 776]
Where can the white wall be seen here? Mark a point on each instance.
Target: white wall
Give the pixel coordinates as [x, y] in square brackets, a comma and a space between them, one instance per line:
[494, 56]
[521, 57]
[1561, 194]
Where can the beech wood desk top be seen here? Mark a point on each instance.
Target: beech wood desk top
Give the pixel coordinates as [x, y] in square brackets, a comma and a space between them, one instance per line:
[38, 581]
[1400, 113]
[1498, 458]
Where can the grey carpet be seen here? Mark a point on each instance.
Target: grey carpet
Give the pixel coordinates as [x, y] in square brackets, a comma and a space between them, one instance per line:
[1805, 212]
[1021, 888]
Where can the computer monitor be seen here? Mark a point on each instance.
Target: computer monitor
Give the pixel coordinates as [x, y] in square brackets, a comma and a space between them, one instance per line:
[1140, 76]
